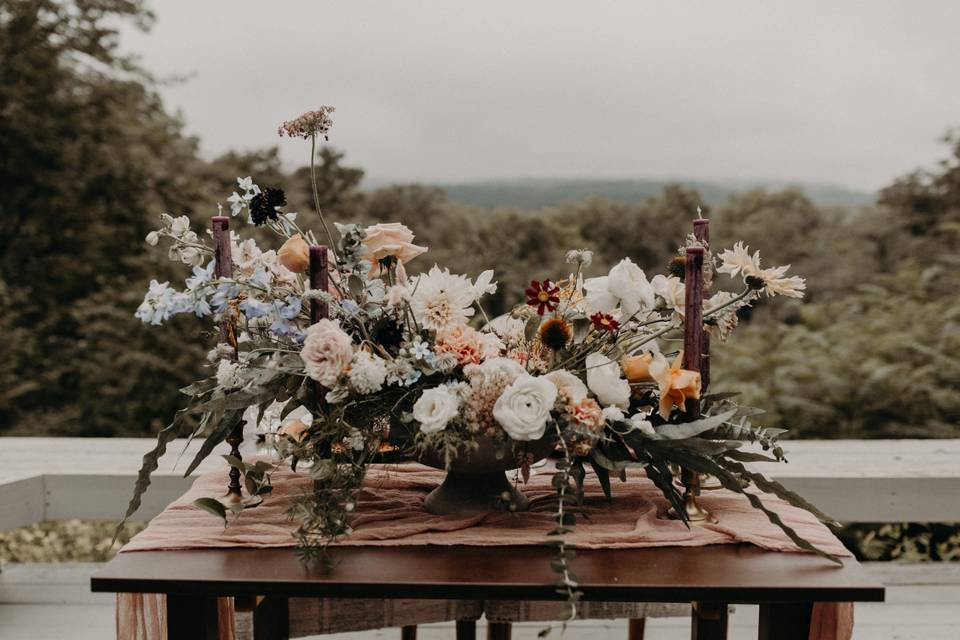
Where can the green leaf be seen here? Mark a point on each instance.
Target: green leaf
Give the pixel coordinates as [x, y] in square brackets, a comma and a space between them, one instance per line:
[355, 284]
[151, 461]
[777, 489]
[603, 476]
[530, 329]
[219, 433]
[691, 429]
[212, 506]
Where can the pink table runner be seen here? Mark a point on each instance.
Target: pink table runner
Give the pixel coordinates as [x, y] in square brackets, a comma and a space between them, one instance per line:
[390, 513]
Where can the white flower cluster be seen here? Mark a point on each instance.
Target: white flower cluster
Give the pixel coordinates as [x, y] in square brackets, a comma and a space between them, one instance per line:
[774, 280]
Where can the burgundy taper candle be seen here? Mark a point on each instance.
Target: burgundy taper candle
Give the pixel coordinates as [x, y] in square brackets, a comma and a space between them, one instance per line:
[693, 319]
[223, 268]
[701, 231]
[319, 280]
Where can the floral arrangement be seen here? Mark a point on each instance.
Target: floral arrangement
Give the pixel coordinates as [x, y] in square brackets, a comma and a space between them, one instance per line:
[396, 364]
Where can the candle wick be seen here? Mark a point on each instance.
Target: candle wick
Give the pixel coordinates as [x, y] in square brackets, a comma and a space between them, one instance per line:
[699, 213]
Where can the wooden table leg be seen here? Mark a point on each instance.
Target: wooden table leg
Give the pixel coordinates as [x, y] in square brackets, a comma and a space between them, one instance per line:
[192, 617]
[271, 619]
[408, 632]
[709, 621]
[785, 620]
[636, 628]
[466, 630]
[499, 630]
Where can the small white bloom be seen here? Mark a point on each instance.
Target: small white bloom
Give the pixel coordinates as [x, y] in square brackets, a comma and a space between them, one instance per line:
[356, 440]
[228, 374]
[613, 414]
[625, 286]
[672, 290]
[436, 408]
[153, 238]
[604, 380]
[739, 260]
[565, 381]
[180, 225]
[367, 372]
[397, 295]
[484, 284]
[776, 284]
[524, 407]
[583, 257]
[639, 422]
[191, 256]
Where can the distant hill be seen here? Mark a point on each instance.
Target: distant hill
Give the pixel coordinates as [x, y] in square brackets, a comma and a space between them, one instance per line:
[544, 192]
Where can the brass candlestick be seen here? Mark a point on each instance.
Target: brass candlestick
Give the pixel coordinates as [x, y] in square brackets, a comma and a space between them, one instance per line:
[236, 496]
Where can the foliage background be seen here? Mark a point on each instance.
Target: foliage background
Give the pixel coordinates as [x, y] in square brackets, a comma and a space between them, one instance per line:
[91, 157]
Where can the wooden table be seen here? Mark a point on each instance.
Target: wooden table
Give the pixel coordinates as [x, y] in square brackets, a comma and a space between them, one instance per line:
[784, 584]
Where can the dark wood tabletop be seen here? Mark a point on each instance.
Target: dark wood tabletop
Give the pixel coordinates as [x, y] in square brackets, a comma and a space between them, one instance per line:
[721, 573]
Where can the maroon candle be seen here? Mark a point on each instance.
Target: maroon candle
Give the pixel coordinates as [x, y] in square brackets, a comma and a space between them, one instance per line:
[693, 319]
[319, 280]
[223, 268]
[701, 231]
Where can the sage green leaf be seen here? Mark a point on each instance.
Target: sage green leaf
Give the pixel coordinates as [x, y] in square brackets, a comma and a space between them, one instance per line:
[212, 506]
[691, 429]
[603, 477]
[530, 329]
[219, 432]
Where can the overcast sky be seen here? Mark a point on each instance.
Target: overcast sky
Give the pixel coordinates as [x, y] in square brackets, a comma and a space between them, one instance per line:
[852, 93]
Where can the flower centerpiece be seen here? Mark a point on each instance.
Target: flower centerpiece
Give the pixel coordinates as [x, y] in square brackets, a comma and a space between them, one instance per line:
[349, 357]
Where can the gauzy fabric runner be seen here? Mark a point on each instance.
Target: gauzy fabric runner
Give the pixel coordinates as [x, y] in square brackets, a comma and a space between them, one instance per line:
[390, 513]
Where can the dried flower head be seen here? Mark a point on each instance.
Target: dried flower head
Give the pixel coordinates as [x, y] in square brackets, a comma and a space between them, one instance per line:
[678, 267]
[555, 333]
[582, 257]
[311, 123]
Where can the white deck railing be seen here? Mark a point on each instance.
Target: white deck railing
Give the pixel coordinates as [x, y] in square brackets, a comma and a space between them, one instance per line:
[852, 480]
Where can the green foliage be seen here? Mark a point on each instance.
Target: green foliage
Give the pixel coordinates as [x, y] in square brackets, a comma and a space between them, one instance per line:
[91, 157]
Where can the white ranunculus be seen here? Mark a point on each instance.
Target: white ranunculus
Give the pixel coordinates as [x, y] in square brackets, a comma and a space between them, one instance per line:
[566, 381]
[604, 379]
[524, 407]
[435, 408]
[626, 285]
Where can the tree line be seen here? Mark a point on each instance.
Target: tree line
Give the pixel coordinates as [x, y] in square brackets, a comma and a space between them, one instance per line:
[91, 157]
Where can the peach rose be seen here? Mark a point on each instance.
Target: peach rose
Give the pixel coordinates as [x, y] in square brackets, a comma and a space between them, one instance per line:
[637, 368]
[327, 351]
[295, 254]
[390, 239]
[294, 429]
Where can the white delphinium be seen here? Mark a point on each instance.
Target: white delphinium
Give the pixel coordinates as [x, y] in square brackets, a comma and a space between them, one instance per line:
[157, 303]
[367, 372]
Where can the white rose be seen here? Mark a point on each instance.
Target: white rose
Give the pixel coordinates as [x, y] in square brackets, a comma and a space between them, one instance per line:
[603, 378]
[326, 352]
[179, 225]
[435, 408]
[566, 381]
[524, 407]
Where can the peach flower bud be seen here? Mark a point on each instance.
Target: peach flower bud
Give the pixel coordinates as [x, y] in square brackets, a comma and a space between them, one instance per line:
[295, 254]
[294, 429]
[637, 368]
[390, 239]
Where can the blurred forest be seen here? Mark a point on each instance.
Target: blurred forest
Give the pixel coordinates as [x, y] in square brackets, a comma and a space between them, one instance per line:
[91, 157]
